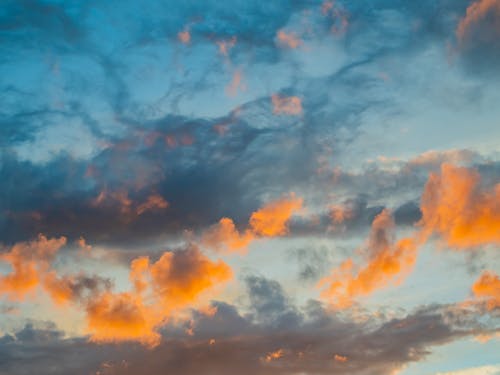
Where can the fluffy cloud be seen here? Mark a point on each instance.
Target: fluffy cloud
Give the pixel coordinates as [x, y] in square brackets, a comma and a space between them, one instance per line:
[269, 221]
[30, 263]
[388, 261]
[456, 206]
[487, 289]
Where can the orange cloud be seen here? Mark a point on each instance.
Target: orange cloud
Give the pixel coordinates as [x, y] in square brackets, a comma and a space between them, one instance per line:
[272, 219]
[122, 317]
[154, 202]
[269, 221]
[272, 356]
[30, 262]
[119, 198]
[340, 214]
[236, 84]
[184, 36]
[456, 206]
[387, 261]
[340, 358]
[224, 237]
[286, 105]
[477, 12]
[288, 39]
[487, 288]
[178, 280]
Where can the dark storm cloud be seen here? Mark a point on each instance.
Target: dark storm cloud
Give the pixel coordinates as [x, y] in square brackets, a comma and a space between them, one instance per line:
[230, 342]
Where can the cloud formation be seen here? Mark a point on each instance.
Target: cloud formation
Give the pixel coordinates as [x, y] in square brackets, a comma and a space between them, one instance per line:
[456, 206]
[269, 221]
[388, 261]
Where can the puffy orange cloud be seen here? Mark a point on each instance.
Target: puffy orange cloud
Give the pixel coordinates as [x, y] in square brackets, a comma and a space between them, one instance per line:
[154, 202]
[30, 262]
[272, 356]
[476, 13]
[340, 358]
[289, 40]
[122, 317]
[272, 219]
[459, 209]
[387, 261]
[269, 221]
[184, 36]
[225, 237]
[286, 105]
[455, 206]
[178, 280]
[487, 288]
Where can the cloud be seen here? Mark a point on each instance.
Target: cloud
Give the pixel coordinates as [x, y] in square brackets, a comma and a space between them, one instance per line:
[482, 370]
[237, 84]
[481, 13]
[307, 345]
[121, 317]
[153, 202]
[184, 36]
[161, 290]
[457, 207]
[269, 221]
[289, 40]
[388, 261]
[225, 237]
[487, 289]
[478, 33]
[286, 105]
[30, 263]
[226, 45]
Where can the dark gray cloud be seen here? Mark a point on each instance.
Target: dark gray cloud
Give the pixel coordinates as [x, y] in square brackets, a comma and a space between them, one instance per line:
[230, 341]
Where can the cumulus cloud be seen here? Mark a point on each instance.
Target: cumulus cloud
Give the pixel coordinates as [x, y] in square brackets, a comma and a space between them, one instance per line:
[478, 33]
[30, 263]
[388, 261]
[457, 207]
[487, 289]
[161, 289]
[269, 221]
[177, 280]
[229, 341]
[481, 14]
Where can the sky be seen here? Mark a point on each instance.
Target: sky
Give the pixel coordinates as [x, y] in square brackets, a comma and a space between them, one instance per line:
[250, 187]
